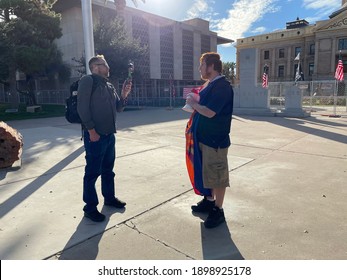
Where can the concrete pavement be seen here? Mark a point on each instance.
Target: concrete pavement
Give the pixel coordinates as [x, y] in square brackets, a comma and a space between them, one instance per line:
[288, 195]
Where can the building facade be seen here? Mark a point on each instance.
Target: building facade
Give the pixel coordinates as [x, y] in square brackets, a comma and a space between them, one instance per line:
[174, 47]
[319, 45]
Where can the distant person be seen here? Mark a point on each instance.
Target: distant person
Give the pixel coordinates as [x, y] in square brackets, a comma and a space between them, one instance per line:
[208, 140]
[97, 109]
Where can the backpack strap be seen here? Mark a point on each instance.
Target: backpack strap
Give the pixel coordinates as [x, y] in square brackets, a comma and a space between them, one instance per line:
[95, 82]
[94, 86]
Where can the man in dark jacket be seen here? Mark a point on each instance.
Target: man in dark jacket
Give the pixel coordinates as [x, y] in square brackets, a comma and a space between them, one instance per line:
[97, 109]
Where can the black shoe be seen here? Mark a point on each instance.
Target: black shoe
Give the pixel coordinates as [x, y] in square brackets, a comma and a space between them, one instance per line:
[204, 206]
[215, 218]
[95, 216]
[115, 203]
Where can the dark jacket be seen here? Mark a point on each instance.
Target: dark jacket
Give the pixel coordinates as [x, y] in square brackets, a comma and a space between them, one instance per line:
[98, 109]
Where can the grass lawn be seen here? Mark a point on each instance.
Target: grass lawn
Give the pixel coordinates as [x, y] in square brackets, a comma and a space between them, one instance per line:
[47, 111]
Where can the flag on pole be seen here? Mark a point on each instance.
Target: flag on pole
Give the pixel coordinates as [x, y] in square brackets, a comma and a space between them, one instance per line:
[297, 58]
[339, 70]
[265, 83]
[298, 73]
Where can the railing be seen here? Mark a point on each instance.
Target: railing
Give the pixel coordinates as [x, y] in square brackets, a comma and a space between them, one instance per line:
[317, 96]
[328, 95]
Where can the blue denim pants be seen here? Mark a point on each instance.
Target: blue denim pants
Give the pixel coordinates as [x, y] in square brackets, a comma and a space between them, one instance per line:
[100, 157]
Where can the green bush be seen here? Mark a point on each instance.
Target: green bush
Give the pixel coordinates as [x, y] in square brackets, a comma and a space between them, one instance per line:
[47, 111]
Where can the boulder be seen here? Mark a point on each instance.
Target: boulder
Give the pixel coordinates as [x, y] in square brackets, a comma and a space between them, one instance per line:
[11, 143]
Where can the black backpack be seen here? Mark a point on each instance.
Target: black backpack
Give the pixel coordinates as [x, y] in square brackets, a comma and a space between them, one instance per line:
[71, 114]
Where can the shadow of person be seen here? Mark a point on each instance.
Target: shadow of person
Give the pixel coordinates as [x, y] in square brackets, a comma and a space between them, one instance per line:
[84, 242]
[217, 244]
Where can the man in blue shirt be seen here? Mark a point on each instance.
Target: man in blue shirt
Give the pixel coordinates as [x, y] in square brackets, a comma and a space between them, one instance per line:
[213, 115]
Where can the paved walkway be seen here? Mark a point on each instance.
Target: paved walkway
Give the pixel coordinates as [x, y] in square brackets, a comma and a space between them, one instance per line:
[288, 195]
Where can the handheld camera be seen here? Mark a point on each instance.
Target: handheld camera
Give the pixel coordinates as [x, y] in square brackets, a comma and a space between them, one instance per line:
[130, 71]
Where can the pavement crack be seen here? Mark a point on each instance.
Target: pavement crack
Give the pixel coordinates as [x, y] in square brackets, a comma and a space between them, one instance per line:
[144, 151]
[130, 224]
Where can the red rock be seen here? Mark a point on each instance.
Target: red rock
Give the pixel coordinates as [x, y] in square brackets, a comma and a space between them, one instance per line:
[11, 143]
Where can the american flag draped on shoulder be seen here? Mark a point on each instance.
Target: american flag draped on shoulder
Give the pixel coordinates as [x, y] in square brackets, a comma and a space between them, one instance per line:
[265, 82]
[339, 70]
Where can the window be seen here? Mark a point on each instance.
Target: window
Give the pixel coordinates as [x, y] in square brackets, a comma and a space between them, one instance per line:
[281, 71]
[312, 49]
[343, 44]
[281, 53]
[310, 69]
[297, 51]
[266, 54]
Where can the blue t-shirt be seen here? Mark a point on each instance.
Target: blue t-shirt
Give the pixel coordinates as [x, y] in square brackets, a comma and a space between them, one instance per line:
[218, 96]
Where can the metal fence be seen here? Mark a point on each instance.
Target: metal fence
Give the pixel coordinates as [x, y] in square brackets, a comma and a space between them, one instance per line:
[327, 96]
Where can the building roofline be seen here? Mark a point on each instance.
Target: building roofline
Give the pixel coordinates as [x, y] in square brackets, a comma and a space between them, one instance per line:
[223, 40]
[341, 10]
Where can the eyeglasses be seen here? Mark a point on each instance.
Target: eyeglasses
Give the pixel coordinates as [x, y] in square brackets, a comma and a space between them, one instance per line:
[102, 64]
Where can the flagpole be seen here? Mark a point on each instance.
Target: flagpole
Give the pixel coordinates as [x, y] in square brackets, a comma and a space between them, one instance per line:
[338, 78]
[335, 93]
[87, 31]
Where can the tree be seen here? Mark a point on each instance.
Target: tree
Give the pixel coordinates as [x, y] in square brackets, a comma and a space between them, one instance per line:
[28, 29]
[229, 71]
[112, 41]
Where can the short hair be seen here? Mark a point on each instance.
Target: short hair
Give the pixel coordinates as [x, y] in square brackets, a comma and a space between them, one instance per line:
[212, 58]
[95, 59]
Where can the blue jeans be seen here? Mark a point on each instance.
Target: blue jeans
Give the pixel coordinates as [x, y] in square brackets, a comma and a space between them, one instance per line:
[100, 157]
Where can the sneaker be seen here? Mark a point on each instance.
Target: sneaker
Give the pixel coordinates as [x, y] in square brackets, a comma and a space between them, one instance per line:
[95, 216]
[204, 206]
[215, 218]
[115, 203]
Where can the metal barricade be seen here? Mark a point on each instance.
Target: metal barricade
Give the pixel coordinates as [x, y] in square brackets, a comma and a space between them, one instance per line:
[326, 97]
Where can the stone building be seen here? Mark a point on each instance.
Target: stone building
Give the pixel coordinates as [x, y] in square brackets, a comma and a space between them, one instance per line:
[319, 46]
[174, 46]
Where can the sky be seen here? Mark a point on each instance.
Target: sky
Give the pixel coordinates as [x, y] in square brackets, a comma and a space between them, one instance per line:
[235, 19]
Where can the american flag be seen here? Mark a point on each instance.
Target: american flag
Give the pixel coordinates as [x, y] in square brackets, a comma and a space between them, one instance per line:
[339, 71]
[265, 80]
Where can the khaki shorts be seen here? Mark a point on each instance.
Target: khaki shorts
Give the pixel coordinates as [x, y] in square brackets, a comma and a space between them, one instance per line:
[215, 170]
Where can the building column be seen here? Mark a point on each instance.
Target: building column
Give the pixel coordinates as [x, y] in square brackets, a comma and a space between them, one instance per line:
[290, 63]
[177, 53]
[333, 55]
[197, 51]
[273, 63]
[316, 51]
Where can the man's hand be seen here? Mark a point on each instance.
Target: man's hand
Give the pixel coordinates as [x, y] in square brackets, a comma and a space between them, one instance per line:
[203, 110]
[126, 89]
[93, 135]
[191, 101]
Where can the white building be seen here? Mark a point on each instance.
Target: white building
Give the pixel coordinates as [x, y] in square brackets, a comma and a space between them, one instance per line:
[174, 47]
[319, 45]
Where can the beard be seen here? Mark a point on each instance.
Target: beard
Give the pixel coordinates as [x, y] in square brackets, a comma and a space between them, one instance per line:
[206, 76]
